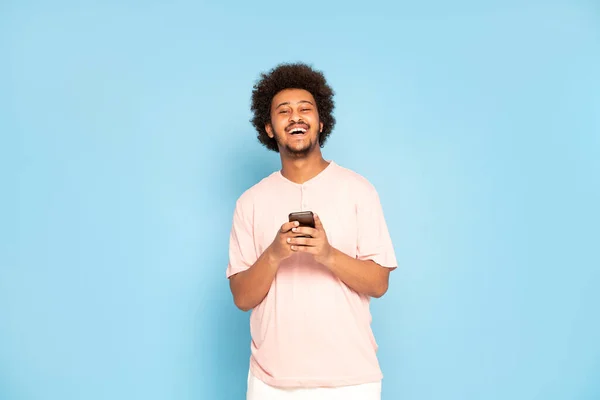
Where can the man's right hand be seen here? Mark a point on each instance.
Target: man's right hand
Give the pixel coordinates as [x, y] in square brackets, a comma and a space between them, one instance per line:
[280, 249]
[250, 287]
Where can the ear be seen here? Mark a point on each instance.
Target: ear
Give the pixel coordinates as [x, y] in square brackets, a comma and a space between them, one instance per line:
[269, 130]
[320, 127]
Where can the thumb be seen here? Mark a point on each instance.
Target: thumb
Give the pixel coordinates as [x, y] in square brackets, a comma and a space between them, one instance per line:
[318, 223]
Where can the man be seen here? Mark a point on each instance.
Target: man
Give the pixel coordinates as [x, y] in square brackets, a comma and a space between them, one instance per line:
[309, 296]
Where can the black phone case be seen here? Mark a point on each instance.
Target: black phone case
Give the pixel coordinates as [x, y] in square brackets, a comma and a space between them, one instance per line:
[305, 218]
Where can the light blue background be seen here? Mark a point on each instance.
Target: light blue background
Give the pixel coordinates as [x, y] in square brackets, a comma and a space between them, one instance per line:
[125, 143]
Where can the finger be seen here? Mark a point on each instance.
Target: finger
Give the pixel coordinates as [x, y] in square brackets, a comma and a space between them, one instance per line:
[318, 223]
[305, 249]
[302, 241]
[288, 226]
[304, 230]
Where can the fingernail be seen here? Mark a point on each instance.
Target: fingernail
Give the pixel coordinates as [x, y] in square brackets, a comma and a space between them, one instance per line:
[296, 223]
[294, 230]
[289, 240]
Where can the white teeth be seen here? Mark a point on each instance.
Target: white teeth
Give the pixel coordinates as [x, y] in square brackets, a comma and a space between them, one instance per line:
[298, 130]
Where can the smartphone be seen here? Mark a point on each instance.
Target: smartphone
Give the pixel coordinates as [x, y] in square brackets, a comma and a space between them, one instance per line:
[306, 218]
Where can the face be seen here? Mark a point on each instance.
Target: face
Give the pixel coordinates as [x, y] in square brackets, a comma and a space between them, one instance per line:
[295, 123]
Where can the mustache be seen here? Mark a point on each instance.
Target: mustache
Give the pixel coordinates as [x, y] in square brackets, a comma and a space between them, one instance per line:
[297, 125]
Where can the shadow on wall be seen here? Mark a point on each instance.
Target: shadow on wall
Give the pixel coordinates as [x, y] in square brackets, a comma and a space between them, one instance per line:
[225, 354]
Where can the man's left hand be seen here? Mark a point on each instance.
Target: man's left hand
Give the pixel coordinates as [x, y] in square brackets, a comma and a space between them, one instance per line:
[317, 244]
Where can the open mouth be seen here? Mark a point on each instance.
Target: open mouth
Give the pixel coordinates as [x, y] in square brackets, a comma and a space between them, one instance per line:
[298, 130]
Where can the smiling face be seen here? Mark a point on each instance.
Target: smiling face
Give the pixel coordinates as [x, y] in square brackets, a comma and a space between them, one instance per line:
[295, 123]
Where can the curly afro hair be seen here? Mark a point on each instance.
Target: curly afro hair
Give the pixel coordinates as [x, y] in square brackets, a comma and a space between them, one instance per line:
[291, 76]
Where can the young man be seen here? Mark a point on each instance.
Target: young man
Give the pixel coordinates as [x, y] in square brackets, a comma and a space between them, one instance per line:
[308, 288]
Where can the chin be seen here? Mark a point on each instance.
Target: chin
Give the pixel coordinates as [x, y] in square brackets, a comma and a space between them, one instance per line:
[298, 152]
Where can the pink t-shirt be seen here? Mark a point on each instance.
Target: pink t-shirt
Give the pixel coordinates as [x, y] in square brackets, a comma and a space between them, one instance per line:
[312, 330]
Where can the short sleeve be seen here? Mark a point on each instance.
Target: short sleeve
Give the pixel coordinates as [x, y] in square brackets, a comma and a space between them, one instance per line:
[242, 253]
[374, 242]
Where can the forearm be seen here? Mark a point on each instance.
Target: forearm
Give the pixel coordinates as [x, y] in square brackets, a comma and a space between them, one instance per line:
[365, 277]
[250, 287]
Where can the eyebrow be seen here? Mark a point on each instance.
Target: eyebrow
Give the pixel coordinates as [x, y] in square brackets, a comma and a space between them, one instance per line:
[287, 103]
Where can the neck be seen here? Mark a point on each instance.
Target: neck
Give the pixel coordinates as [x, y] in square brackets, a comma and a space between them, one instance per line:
[300, 170]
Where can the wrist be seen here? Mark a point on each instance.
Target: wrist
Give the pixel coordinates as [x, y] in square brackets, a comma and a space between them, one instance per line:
[272, 257]
[329, 258]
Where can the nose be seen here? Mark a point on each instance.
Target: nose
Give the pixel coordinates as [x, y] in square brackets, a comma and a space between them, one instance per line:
[295, 116]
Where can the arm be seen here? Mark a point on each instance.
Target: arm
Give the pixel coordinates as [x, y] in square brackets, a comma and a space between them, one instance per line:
[363, 276]
[250, 287]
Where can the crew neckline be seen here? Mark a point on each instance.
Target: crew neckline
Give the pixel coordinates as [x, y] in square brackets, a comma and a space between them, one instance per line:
[311, 180]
